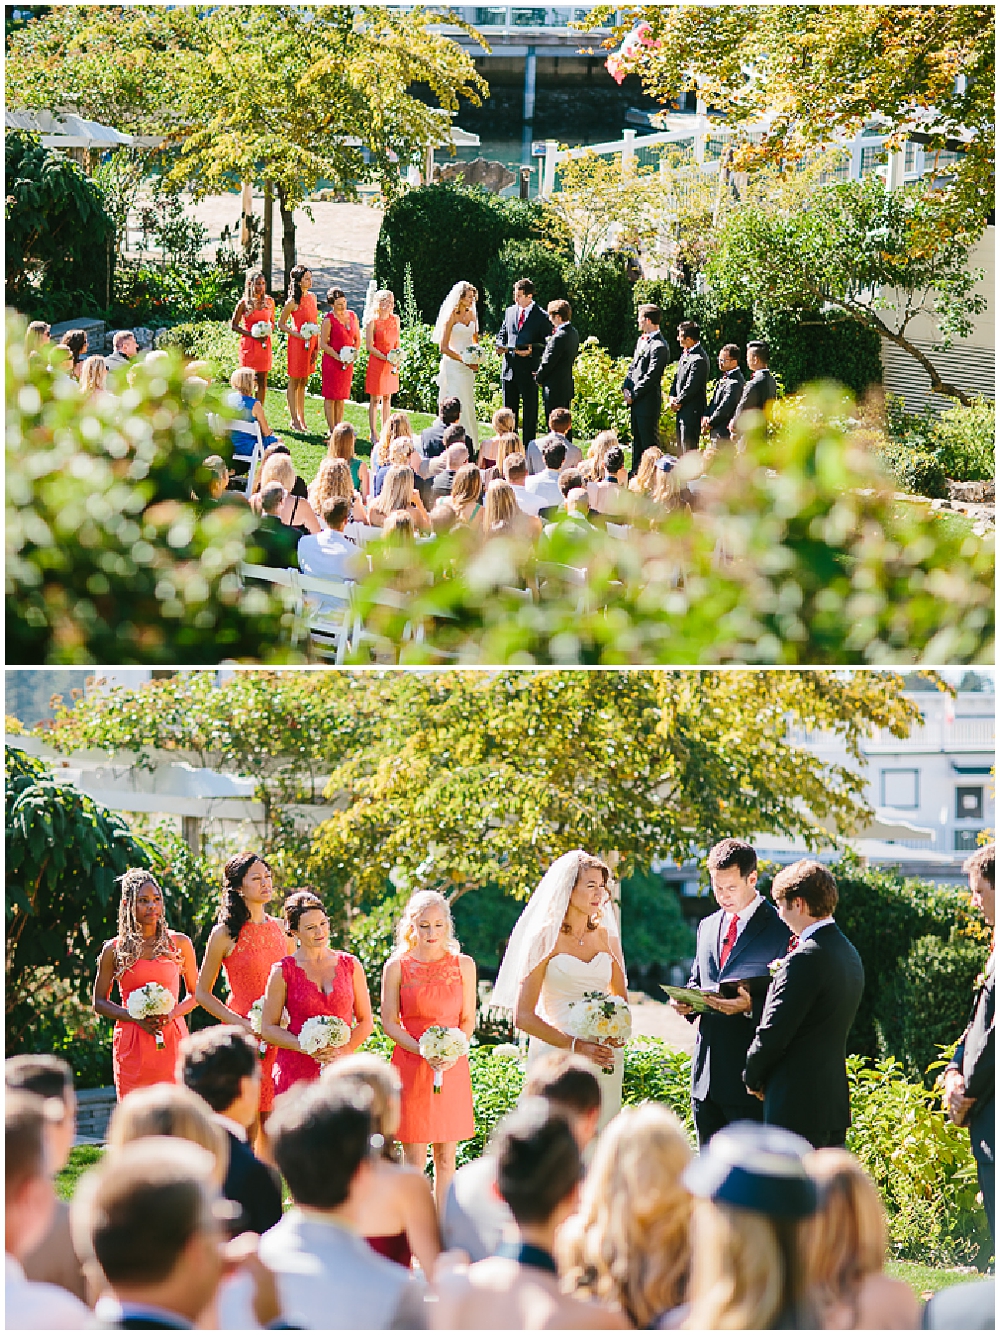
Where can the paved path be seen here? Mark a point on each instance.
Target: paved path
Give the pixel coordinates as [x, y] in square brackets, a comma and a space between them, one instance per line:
[661, 1021]
[338, 245]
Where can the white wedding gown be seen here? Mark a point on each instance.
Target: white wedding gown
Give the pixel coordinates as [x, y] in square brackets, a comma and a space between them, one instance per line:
[566, 980]
[459, 381]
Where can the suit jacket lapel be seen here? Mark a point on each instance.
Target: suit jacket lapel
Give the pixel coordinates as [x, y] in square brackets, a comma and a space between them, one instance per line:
[757, 923]
[715, 925]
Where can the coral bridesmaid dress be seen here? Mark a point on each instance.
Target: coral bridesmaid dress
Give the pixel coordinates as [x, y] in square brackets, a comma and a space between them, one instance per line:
[302, 356]
[248, 967]
[253, 353]
[432, 994]
[382, 378]
[135, 1058]
[303, 999]
[336, 376]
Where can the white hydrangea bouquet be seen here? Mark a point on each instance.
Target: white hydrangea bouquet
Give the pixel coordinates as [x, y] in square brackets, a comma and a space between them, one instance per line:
[600, 1018]
[261, 329]
[309, 330]
[348, 355]
[395, 356]
[323, 1031]
[443, 1044]
[256, 1017]
[472, 355]
[149, 1000]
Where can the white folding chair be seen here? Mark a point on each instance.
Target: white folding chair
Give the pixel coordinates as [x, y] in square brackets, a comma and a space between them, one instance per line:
[362, 533]
[333, 618]
[220, 427]
[619, 530]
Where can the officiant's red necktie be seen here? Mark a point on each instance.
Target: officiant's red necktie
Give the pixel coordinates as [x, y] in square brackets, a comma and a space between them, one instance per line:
[730, 941]
[520, 319]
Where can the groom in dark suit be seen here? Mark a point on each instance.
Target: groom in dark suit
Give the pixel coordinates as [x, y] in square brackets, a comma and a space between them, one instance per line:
[555, 370]
[521, 340]
[797, 1062]
[642, 388]
[688, 392]
[737, 942]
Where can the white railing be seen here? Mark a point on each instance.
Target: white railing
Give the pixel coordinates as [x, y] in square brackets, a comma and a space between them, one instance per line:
[971, 734]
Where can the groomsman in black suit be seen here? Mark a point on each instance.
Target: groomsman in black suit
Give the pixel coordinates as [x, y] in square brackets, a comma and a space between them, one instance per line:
[762, 388]
[521, 340]
[737, 942]
[555, 370]
[726, 395]
[797, 1062]
[642, 388]
[970, 1079]
[688, 392]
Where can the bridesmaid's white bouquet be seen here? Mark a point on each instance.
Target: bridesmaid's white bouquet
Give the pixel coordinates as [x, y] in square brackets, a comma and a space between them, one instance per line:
[309, 330]
[507, 1050]
[472, 355]
[443, 1043]
[261, 329]
[256, 1016]
[147, 1001]
[600, 1018]
[348, 355]
[395, 356]
[323, 1031]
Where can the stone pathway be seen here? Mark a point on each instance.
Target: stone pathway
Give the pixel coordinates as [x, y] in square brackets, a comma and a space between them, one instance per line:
[657, 1020]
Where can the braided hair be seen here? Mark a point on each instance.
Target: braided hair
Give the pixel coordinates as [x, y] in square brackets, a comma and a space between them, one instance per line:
[233, 912]
[295, 282]
[130, 942]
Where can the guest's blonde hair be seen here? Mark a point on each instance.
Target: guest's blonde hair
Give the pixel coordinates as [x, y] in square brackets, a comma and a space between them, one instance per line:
[243, 380]
[397, 426]
[341, 443]
[499, 508]
[399, 526]
[169, 1110]
[366, 1068]
[846, 1240]
[333, 480]
[737, 1269]
[467, 486]
[279, 468]
[504, 422]
[406, 930]
[645, 476]
[628, 1242]
[400, 450]
[598, 452]
[396, 493]
[94, 375]
[506, 445]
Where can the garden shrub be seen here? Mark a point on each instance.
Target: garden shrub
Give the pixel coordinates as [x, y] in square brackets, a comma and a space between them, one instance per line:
[598, 404]
[484, 920]
[372, 938]
[918, 472]
[654, 929]
[145, 293]
[964, 440]
[515, 259]
[600, 294]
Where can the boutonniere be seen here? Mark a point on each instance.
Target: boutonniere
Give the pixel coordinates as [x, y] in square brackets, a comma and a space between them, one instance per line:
[775, 965]
[980, 981]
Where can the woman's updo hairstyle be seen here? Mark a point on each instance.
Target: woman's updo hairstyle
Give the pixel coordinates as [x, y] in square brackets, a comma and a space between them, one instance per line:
[406, 930]
[233, 912]
[295, 277]
[302, 901]
[586, 863]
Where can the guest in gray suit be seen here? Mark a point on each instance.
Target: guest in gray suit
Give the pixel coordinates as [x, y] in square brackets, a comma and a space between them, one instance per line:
[970, 1080]
[328, 1277]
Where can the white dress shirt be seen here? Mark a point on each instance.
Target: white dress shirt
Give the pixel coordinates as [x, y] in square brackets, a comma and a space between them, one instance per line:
[527, 500]
[814, 927]
[328, 554]
[545, 485]
[29, 1306]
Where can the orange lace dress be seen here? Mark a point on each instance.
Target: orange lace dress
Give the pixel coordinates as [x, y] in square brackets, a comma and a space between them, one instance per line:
[432, 994]
[258, 947]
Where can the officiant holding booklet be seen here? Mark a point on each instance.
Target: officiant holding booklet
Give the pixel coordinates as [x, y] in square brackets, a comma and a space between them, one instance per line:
[735, 946]
[521, 341]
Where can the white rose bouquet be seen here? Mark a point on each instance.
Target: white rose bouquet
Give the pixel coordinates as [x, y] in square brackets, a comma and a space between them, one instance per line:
[443, 1044]
[309, 330]
[600, 1018]
[261, 329]
[256, 1015]
[348, 355]
[395, 356]
[472, 355]
[323, 1031]
[507, 1050]
[145, 1002]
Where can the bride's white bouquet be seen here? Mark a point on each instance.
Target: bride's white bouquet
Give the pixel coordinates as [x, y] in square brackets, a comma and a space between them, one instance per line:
[309, 330]
[261, 329]
[472, 355]
[147, 1001]
[323, 1031]
[348, 355]
[256, 1016]
[600, 1018]
[447, 1044]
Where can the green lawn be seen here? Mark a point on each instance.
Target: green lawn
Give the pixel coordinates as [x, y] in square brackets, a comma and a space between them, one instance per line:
[81, 1158]
[927, 1279]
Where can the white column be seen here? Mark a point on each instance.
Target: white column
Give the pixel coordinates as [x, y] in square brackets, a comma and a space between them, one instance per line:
[628, 152]
[549, 169]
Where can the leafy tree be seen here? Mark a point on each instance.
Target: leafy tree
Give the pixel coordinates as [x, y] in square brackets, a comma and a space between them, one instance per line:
[56, 227]
[108, 557]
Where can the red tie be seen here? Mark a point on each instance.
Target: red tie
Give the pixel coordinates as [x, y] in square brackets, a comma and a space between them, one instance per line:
[793, 942]
[730, 941]
[520, 319]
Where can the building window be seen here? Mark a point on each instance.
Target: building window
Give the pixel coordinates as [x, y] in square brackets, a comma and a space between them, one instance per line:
[528, 18]
[966, 841]
[901, 789]
[968, 803]
[872, 157]
[491, 16]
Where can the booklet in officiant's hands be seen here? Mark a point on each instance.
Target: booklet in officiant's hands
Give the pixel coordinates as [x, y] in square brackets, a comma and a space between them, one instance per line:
[690, 996]
[695, 997]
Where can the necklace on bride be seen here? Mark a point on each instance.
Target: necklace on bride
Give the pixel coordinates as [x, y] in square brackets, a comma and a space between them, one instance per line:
[578, 939]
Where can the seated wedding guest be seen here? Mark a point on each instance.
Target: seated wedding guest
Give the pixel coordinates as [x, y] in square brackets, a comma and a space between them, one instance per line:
[515, 472]
[844, 1245]
[341, 446]
[53, 1261]
[396, 427]
[432, 437]
[331, 554]
[748, 1271]
[627, 1244]
[569, 480]
[503, 447]
[333, 481]
[503, 518]
[36, 336]
[401, 455]
[456, 456]
[329, 1278]
[75, 340]
[94, 375]
[466, 496]
[273, 543]
[399, 529]
[398, 493]
[962, 1307]
[299, 488]
[29, 1200]
[597, 453]
[442, 518]
[476, 1220]
[169, 1110]
[577, 515]
[124, 349]
[607, 496]
[218, 485]
[538, 1175]
[642, 483]
[545, 484]
[297, 513]
[247, 406]
[221, 1065]
[397, 1217]
[504, 423]
[150, 1218]
[561, 427]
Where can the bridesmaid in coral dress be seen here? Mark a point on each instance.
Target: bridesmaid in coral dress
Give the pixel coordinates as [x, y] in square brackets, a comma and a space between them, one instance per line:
[315, 980]
[255, 307]
[245, 942]
[301, 309]
[382, 336]
[426, 982]
[339, 330]
[144, 951]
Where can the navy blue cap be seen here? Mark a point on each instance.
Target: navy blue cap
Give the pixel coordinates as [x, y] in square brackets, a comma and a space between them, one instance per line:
[756, 1168]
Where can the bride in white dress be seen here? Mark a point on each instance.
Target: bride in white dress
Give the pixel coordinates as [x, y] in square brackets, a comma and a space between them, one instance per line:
[457, 330]
[566, 943]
